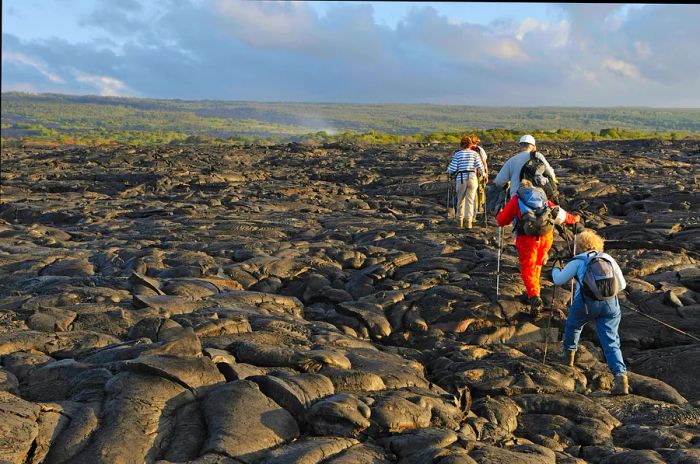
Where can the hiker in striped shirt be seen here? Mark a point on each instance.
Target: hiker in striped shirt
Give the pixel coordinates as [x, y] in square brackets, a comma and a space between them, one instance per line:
[467, 167]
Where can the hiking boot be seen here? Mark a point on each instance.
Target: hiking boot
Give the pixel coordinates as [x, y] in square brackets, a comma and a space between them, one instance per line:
[621, 386]
[536, 306]
[469, 224]
[567, 357]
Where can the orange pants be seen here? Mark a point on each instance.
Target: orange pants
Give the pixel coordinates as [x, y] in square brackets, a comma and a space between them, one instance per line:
[531, 253]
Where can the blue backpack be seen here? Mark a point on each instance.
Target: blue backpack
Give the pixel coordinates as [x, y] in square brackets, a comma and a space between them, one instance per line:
[536, 215]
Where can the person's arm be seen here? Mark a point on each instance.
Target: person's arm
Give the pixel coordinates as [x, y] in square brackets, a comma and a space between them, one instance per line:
[453, 165]
[561, 276]
[477, 162]
[547, 168]
[571, 218]
[503, 175]
[482, 155]
[561, 215]
[508, 213]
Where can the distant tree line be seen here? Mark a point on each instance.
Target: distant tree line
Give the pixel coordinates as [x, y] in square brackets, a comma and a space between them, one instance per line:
[34, 134]
[65, 119]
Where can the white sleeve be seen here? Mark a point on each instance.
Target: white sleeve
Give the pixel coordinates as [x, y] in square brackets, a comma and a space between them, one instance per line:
[548, 168]
[561, 216]
[503, 175]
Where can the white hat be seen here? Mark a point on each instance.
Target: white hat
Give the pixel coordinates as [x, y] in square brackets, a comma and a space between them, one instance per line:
[527, 139]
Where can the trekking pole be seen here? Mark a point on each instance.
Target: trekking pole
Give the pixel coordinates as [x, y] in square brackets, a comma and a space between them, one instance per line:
[664, 323]
[486, 218]
[549, 324]
[498, 266]
[448, 196]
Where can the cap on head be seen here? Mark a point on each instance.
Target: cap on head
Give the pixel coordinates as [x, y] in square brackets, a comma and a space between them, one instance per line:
[528, 139]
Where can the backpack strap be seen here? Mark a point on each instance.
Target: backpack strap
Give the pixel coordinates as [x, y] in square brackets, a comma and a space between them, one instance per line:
[586, 261]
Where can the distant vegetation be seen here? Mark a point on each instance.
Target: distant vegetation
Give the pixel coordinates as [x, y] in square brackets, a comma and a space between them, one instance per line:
[97, 120]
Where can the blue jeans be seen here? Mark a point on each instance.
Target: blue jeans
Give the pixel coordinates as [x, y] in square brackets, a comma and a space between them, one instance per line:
[606, 315]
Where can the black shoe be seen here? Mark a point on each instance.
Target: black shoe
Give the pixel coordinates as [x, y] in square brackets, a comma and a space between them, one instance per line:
[536, 306]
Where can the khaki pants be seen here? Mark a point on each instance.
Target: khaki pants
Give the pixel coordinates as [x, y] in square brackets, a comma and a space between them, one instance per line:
[466, 187]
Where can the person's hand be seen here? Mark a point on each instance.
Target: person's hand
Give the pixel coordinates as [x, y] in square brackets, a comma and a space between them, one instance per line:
[557, 263]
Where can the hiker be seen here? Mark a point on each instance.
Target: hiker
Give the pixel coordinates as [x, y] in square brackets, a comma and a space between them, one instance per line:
[593, 302]
[467, 166]
[483, 180]
[528, 164]
[534, 234]
[475, 141]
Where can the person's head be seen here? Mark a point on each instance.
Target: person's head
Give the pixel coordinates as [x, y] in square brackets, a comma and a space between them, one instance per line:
[588, 240]
[475, 139]
[465, 142]
[527, 143]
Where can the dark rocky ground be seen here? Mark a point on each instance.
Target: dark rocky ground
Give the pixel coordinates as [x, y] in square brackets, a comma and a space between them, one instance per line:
[314, 305]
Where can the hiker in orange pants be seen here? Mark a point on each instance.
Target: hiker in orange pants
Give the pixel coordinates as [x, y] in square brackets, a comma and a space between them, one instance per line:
[531, 254]
[532, 247]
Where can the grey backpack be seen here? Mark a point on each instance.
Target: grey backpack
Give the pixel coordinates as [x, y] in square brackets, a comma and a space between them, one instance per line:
[599, 280]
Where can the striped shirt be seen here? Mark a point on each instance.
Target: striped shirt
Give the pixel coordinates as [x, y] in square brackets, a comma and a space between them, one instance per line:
[465, 161]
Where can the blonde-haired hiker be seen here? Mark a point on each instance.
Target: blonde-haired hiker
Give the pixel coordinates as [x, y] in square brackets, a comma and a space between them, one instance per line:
[599, 280]
[467, 166]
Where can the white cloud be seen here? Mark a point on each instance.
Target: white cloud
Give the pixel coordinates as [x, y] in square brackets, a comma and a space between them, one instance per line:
[106, 86]
[557, 33]
[577, 72]
[23, 59]
[622, 68]
[507, 49]
[269, 24]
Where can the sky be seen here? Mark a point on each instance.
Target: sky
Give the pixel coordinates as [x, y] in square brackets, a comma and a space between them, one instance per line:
[491, 54]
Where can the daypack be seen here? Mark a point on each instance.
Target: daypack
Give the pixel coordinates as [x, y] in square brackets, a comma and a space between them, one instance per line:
[599, 280]
[536, 216]
[535, 171]
[495, 198]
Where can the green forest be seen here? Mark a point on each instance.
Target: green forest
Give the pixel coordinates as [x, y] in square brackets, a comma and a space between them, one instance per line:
[97, 120]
